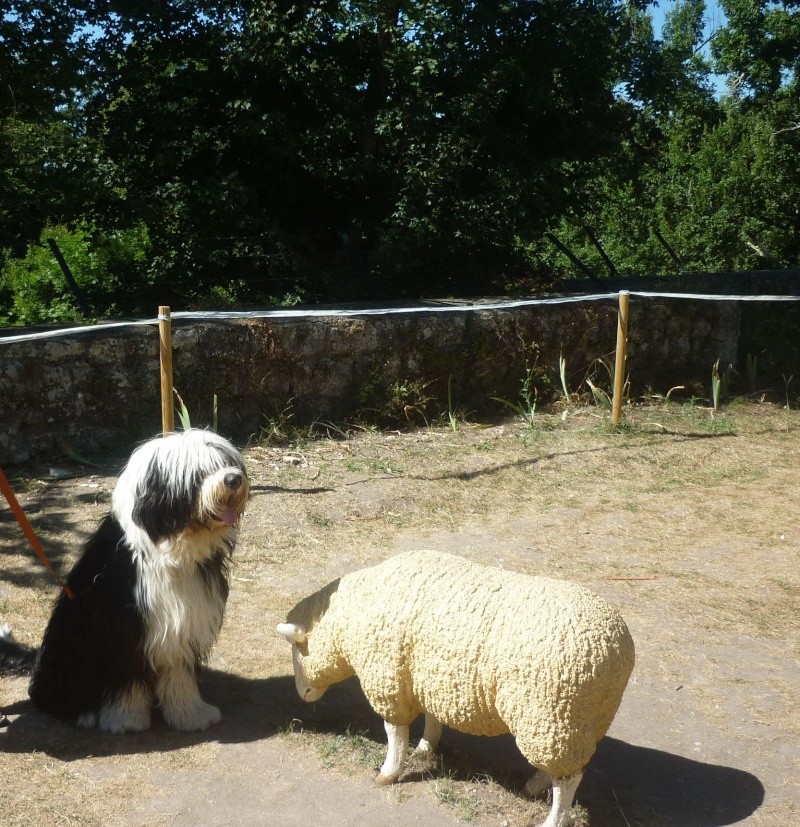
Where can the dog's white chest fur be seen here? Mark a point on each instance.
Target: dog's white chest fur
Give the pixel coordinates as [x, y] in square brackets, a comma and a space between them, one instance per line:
[184, 610]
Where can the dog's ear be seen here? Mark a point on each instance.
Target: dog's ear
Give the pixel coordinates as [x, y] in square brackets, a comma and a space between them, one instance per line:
[163, 503]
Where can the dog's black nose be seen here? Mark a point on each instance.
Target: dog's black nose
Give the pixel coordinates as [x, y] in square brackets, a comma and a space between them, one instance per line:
[233, 480]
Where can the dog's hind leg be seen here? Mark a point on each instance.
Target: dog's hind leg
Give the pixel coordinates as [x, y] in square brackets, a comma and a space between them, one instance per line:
[179, 697]
[129, 712]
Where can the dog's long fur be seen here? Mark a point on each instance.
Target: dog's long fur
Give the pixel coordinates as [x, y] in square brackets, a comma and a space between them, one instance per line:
[150, 591]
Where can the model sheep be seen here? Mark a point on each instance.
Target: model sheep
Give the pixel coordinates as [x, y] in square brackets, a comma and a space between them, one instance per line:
[482, 650]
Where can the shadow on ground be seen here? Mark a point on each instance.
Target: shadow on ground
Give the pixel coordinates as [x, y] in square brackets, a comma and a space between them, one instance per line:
[625, 785]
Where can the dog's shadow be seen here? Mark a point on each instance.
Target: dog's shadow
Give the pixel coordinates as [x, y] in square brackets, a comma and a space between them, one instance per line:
[624, 786]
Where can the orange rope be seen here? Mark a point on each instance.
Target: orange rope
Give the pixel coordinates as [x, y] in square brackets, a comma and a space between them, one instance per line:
[27, 530]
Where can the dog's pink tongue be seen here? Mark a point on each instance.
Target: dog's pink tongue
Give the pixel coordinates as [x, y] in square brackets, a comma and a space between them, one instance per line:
[230, 516]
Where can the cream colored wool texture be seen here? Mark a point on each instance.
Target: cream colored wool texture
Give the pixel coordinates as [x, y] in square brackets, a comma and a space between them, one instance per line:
[483, 650]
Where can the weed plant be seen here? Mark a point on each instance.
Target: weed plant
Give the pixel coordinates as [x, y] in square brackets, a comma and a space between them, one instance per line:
[528, 397]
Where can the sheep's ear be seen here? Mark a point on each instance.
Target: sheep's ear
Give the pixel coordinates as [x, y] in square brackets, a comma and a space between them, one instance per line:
[292, 632]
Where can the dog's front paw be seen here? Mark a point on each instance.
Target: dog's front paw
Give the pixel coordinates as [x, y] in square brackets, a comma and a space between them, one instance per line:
[114, 719]
[190, 719]
[128, 712]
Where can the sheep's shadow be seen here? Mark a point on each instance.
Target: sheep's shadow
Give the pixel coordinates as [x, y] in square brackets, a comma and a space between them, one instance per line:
[632, 785]
[624, 786]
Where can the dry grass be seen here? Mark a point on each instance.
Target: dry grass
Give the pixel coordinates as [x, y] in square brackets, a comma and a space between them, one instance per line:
[687, 521]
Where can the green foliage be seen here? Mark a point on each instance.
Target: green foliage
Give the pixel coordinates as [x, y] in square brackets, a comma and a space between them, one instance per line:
[759, 46]
[525, 406]
[600, 396]
[786, 383]
[704, 182]
[103, 264]
[337, 150]
[270, 152]
[452, 416]
[408, 399]
[182, 412]
[719, 384]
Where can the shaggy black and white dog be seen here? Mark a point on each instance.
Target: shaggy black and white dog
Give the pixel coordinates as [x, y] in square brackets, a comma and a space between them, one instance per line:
[149, 593]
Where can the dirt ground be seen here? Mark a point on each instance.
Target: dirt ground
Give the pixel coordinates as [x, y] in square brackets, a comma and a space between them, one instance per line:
[688, 521]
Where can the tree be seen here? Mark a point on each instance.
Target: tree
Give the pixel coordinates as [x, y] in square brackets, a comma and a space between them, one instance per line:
[704, 182]
[49, 169]
[275, 151]
[667, 85]
[355, 149]
[760, 47]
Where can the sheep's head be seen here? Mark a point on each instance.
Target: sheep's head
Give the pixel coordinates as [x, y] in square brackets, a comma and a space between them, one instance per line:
[325, 667]
[297, 636]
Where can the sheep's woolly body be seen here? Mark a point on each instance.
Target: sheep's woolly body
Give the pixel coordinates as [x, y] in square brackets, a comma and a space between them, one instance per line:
[485, 651]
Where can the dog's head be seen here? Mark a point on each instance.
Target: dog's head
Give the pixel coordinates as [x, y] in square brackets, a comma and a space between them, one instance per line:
[191, 481]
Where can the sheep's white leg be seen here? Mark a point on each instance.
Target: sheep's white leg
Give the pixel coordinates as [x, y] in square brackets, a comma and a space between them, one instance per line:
[537, 784]
[430, 735]
[563, 795]
[396, 755]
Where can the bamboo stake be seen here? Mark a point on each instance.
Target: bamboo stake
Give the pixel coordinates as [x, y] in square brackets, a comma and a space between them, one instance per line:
[619, 362]
[165, 348]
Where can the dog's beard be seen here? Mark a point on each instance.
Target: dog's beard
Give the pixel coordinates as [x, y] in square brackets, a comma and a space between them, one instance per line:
[222, 499]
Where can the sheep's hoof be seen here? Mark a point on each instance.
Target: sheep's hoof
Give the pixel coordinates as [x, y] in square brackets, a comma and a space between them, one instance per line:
[383, 780]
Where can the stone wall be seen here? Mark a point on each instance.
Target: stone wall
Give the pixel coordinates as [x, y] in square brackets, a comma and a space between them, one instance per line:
[98, 390]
